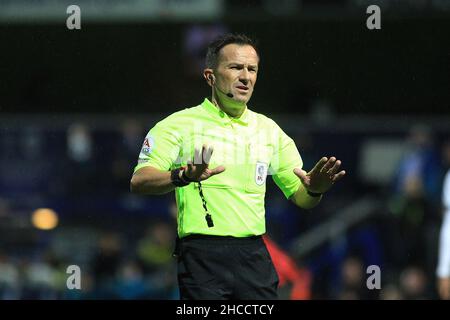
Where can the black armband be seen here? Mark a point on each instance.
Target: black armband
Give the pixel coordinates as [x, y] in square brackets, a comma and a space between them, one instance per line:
[313, 194]
[176, 179]
[185, 178]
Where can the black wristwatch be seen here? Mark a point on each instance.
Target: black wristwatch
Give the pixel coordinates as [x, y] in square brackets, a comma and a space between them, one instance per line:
[179, 177]
[176, 176]
[313, 194]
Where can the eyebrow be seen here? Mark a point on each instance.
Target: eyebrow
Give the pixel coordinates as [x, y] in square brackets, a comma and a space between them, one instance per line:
[241, 65]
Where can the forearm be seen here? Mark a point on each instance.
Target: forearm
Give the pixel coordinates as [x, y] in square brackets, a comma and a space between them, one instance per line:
[149, 180]
[303, 200]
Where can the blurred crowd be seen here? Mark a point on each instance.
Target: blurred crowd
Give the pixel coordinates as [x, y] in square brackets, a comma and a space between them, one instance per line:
[123, 243]
[113, 268]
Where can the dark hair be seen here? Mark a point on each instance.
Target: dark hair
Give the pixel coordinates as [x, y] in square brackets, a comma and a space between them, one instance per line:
[212, 55]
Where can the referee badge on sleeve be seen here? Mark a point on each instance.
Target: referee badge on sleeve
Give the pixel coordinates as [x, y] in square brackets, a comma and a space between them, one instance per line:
[260, 173]
[147, 146]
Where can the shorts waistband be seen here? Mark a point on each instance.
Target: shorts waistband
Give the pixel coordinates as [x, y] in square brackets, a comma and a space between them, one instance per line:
[221, 239]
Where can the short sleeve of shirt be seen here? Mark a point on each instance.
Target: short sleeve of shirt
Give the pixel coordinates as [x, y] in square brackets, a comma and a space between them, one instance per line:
[285, 158]
[161, 147]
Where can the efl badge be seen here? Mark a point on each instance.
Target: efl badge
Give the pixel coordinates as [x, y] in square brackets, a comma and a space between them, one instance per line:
[260, 173]
[147, 146]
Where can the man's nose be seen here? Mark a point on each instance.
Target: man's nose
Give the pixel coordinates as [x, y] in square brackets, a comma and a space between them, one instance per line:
[244, 77]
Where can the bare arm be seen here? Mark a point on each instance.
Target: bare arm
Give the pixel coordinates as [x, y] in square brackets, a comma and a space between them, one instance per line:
[149, 180]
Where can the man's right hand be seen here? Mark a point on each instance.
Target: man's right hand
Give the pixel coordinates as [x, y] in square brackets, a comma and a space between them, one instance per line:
[198, 170]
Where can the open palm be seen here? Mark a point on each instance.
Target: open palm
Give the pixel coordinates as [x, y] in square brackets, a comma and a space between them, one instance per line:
[322, 176]
[198, 169]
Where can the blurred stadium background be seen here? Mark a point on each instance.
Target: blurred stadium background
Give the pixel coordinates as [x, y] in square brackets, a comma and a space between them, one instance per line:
[76, 105]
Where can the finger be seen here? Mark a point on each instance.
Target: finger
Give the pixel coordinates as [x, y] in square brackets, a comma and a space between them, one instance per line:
[217, 170]
[327, 166]
[189, 168]
[301, 174]
[319, 164]
[335, 168]
[298, 172]
[204, 148]
[338, 176]
[207, 154]
[197, 157]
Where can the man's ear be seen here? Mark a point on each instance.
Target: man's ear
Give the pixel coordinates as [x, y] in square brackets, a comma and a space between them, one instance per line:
[208, 74]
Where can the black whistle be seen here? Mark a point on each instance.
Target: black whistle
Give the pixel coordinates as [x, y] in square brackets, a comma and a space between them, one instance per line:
[209, 220]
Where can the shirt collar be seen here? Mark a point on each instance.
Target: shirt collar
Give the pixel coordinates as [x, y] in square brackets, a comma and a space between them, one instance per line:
[222, 116]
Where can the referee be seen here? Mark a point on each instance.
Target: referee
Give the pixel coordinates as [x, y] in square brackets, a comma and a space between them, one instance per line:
[216, 156]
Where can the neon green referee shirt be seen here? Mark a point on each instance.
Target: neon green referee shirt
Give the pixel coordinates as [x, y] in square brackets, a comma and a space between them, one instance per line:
[250, 147]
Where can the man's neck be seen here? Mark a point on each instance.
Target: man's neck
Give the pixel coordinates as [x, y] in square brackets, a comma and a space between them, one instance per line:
[228, 105]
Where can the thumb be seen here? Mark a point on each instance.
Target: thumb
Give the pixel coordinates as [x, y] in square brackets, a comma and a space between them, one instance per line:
[301, 174]
[217, 170]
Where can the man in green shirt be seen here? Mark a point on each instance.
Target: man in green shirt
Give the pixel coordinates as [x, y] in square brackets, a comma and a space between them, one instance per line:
[216, 156]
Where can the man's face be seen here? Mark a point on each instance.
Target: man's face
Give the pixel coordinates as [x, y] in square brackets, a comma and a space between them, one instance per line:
[237, 71]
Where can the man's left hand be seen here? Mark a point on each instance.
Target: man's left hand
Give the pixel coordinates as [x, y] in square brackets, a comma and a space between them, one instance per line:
[322, 176]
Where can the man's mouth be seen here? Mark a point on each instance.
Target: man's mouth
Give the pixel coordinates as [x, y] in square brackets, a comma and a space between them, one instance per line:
[243, 88]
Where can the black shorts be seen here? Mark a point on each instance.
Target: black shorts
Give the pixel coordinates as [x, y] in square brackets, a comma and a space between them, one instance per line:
[217, 268]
